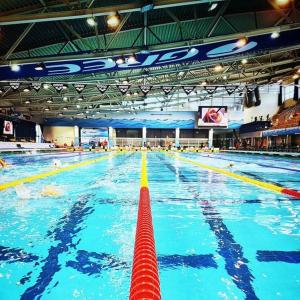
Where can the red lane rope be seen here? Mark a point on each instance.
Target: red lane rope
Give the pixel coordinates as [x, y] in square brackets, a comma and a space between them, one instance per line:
[144, 280]
[291, 192]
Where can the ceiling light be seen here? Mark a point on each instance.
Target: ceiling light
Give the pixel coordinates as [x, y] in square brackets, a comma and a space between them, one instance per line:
[113, 20]
[90, 106]
[98, 112]
[244, 61]
[46, 86]
[132, 59]
[77, 106]
[275, 35]
[125, 82]
[224, 77]
[218, 68]
[213, 6]
[282, 2]
[135, 93]
[120, 60]
[204, 83]
[242, 42]
[65, 108]
[26, 90]
[181, 73]
[27, 101]
[49, 101]
[87, 111]
[147, 5]
[60, 114]
[91, 21]
[128, 94]
[40, 67]
[46, 108]
[80, 98]
[65, 98]
[15, 67]
[1, 91]
[64, 87]
[296, 76]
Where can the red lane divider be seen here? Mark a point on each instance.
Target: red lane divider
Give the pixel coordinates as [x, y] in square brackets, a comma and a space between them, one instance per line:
[291, 192]
[144, 280]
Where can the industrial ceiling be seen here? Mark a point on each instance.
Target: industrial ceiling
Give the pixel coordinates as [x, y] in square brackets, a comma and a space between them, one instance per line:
[35, 29]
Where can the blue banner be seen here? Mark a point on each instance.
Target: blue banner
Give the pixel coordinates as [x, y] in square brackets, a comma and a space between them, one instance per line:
[153, 59]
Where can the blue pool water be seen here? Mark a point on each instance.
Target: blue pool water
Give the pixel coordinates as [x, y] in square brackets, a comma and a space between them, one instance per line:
[216, 237]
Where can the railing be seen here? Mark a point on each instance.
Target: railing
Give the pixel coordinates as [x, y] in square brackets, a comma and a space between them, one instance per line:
[162, 142]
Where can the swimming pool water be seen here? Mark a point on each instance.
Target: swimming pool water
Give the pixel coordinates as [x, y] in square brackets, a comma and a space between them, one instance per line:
[216, 237]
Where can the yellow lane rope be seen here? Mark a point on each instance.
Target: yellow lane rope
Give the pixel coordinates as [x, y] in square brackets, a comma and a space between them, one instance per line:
[144, 176]
[14, 183]
[265, 185]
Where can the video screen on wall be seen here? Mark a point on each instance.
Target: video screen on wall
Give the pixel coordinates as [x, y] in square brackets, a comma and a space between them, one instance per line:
[8, 128]
[212, 116]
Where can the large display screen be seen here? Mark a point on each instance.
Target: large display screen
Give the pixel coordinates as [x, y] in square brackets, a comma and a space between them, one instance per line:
[209, 116]
[8, 127]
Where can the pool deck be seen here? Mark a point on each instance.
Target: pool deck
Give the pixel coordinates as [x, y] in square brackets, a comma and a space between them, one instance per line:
[293, 154]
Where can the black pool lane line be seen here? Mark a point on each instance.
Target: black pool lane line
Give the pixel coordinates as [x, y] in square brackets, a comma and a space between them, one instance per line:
[64, 236]
[67, 228]
[292, 257]
[229, 249]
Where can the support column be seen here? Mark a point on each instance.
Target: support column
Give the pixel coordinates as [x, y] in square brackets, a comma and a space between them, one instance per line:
[76, 136]
[144, 136]
[177, 136]
[110, 137]
[210, 138]
[38, 133]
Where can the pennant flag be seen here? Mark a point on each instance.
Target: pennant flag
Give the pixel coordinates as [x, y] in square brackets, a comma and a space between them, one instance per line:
[240, 89]
[145, 89]
[210, 89]
[14, 85]
[188, 89]
[36, 86]
[102, 88]
[123, 88]
[79, 87]
[167, 89]
[58, 87]
[250, 88]
[230, 89]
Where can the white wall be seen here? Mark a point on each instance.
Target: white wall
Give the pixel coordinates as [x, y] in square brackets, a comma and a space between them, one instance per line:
[268, 105]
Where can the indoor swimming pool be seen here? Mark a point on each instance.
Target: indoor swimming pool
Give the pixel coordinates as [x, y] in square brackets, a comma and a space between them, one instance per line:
[216, 237]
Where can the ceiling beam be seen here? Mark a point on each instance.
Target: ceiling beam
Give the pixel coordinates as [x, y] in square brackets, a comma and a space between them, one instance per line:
[88, 12]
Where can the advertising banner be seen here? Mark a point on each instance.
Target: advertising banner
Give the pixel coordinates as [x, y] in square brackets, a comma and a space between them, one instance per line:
[8, 128]
[260, 43]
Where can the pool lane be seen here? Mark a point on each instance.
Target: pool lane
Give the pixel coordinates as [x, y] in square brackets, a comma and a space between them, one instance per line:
[282, 178]
[25, 166]
[200, 218]
[84, 241]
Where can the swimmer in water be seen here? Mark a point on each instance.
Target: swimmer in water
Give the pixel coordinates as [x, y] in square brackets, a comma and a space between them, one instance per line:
[51, 191]
[3, 163]
[57, 163]
[230, 165]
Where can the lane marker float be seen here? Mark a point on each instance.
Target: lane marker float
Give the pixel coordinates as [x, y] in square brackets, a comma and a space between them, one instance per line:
[32, 178]
[144, 279]
[261, 184]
